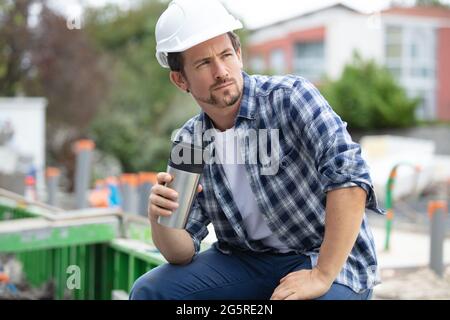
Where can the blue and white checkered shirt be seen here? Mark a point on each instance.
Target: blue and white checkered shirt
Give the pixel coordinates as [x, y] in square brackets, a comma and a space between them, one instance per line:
[316, 155]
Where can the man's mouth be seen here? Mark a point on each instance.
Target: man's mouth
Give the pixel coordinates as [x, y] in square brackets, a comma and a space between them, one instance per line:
[223, 85]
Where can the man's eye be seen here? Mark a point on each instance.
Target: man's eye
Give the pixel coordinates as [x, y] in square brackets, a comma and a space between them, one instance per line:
[202, 64]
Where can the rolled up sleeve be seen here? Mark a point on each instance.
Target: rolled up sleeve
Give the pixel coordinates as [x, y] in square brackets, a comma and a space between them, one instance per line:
[197, 225]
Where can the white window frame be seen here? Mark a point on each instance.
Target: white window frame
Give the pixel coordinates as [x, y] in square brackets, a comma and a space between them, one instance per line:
[315, 69]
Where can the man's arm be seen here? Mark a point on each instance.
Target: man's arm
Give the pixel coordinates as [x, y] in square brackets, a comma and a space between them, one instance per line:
[176, 245]
[344, 177]
[344, 214]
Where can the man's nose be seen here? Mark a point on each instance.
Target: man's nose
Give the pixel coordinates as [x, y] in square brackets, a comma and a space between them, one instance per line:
[220, 70]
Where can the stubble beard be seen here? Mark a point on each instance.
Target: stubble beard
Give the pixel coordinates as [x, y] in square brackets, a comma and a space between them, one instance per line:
[229, 98]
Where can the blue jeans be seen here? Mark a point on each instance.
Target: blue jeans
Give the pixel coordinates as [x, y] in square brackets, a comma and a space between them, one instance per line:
[213, 275]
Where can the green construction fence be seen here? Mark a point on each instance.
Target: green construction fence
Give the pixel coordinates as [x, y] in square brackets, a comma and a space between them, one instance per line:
[104, 266]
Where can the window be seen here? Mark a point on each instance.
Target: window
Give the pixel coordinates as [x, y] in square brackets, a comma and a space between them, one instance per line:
[394, 52]
[277, 62]
[257, 64]
[412, 50]
[422, 53]
[394, 34]
[309, 60]
[410, 56]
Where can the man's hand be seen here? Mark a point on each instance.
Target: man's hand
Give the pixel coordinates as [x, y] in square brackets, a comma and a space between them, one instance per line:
[163, 200]
[302, 285]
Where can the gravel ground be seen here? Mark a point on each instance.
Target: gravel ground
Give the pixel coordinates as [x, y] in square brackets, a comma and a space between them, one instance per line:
[413, 284]
[419, 283]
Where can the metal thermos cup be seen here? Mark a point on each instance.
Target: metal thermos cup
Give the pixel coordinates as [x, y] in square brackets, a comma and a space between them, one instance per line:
[185, 166]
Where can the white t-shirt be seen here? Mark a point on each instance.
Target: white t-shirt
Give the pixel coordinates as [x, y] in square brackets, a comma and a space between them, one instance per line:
[228, 154]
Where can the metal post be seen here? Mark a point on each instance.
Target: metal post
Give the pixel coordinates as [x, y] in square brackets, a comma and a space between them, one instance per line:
[83, 149]
[128, 184]
[437, 211]
[30, 188]
[390, 200]
[146, 181]
[389, 206]
[52, 179]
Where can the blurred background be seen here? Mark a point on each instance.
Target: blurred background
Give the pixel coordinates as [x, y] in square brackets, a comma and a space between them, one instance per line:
[86, 115]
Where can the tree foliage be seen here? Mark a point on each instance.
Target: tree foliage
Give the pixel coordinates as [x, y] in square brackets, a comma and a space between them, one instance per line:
[101, 81]
[15, 37]
[49, 60]
[368, 97]
[432, 3]
[139, 115]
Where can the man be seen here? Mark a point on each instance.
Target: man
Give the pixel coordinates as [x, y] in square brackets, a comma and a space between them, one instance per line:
[296, 232]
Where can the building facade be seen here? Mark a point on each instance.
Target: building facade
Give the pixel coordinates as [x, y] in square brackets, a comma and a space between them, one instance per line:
[22, 138]
[413, 43]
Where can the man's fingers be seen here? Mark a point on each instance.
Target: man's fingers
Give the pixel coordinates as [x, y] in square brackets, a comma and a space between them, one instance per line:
[163, 202]
[292, 296]
[296, 274]
[286, 277]
[164, 192]
[160, 211]
[163, 177]
[277, 293]
[281, 294]
[199, 188]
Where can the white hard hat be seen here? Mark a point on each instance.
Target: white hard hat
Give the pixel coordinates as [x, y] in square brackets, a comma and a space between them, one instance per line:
[186, 23]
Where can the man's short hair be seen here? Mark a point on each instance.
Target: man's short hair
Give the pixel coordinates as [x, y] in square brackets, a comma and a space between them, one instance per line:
[175, 59]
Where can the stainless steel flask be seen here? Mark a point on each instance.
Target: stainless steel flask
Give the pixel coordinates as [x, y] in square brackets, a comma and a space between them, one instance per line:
[185, 166]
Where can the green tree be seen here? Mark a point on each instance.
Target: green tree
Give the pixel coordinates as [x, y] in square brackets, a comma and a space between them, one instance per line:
[141, 111]
[15, 37]
[432, 3]
[368, 97]
[49, 60]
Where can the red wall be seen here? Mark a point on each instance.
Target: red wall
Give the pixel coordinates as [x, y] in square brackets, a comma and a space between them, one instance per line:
[443, 74]
[287, 44]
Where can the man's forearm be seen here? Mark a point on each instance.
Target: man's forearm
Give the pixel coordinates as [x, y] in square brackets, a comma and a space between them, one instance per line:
[175, 245]
[344, 214]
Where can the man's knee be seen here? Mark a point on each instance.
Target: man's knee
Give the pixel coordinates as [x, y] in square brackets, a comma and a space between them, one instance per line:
[148, 287]
[142, 289]
[160, 283]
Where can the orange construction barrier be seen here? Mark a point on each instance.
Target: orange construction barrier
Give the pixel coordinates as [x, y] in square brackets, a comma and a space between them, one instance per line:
[4, 277]
[145, 177]
[129, 178]
[84, 144]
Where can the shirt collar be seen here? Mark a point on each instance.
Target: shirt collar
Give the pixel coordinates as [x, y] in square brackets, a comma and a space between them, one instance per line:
[247, 108]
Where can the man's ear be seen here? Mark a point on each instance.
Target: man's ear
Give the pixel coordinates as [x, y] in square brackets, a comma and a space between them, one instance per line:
[178, 79]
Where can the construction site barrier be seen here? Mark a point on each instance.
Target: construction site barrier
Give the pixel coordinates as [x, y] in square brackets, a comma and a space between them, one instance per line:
[83, 254]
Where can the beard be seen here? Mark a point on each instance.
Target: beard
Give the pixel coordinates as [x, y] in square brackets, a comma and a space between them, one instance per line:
[226, 98]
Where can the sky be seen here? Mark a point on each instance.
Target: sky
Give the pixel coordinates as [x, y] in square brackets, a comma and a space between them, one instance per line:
[254, 13]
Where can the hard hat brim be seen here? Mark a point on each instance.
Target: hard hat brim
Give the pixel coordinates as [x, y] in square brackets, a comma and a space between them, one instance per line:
[161, 54]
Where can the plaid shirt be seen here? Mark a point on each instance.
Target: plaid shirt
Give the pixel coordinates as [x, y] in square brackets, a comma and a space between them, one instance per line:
[316, 155]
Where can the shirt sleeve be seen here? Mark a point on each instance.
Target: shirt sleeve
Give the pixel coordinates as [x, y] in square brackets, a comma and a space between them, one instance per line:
[197, 225]
[336, 157]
